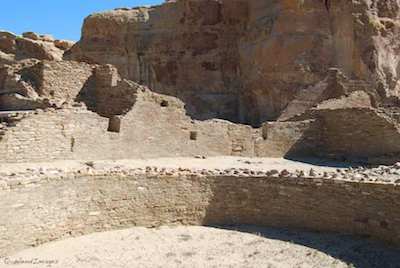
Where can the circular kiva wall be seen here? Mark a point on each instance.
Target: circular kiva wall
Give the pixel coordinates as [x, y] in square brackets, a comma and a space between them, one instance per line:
[43, 210]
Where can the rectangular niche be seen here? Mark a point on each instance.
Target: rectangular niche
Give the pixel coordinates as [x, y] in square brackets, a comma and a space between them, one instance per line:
[114, 124]
[193, 135]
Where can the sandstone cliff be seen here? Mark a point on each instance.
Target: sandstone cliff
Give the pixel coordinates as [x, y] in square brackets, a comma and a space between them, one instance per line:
[305, 78]
[247, 60]
[30, 45]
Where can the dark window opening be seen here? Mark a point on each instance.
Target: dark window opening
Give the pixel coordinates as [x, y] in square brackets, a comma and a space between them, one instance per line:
[164, 103]
[72, 144]
[193, 135]
[114, 124]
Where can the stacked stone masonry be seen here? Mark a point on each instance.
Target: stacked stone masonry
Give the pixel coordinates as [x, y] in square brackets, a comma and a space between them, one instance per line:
[43, 208]
[76, 133]
[304, 77]
[204, 78]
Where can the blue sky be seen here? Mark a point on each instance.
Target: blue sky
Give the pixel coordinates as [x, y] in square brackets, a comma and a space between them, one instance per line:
[60, 18]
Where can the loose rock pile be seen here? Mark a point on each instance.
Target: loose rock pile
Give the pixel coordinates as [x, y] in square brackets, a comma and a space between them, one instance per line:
[31, 176]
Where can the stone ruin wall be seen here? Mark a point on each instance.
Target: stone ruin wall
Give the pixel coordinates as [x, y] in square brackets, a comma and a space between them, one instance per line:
[359, 134]
[268, 57]
[75, 133]
[211, 70]
[88, 99]
[36, 211]
[41, 84]
[62, 81]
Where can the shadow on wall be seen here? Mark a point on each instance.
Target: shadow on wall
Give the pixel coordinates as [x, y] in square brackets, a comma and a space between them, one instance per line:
[88, 93]
[327, 207]
[308, 144]
[106, 94]
[119, 202]
[348, 135]
[234, 107]
[307, 149]
[356, 251]
[211, 106]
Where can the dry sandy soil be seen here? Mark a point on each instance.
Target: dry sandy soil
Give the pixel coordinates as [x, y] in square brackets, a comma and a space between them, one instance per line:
[244, 246]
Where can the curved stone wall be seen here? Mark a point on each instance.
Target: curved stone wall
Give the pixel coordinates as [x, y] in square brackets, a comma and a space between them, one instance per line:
[36, 211]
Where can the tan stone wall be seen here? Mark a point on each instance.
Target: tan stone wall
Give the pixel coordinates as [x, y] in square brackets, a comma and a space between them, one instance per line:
[157, 126]
[149, 130]
[56, 135]
[63, 80]
[38, 211]
[288, 139]
[43, 84]
[360, 134]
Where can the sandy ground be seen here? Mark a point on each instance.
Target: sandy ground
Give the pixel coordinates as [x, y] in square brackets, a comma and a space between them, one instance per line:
[220, 162]
[207, 247]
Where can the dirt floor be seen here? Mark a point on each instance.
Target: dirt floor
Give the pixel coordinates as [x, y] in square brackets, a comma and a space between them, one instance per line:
[243, 246]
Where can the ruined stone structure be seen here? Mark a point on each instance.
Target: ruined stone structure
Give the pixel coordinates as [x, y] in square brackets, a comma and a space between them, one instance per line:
[86, 201]
[203, 78]
[320, 77]
[246, 60]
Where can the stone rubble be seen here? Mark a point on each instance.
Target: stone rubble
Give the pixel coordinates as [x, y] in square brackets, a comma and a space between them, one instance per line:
[30, 176]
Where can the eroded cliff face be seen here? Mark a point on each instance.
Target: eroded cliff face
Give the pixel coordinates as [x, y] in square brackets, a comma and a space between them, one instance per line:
[246, 60]
[186, 49]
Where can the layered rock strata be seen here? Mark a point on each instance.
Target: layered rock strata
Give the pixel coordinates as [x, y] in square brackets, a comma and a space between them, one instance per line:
[305, 78]
[245, 61]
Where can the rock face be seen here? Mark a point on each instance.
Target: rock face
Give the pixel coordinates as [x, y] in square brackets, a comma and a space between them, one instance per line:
[30, 45]
[247, 60]
[304, 78]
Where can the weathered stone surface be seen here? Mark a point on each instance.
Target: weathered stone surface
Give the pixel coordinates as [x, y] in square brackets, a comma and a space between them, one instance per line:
[324, 72]
[246, 60]
[187, 61]
[31, 35]
[7, 42]
[307, 78]
[31, 45]
[147, 130]
[359, 134]
[38, 49]
[351, 129]
[48, 83]
[63, 44]
[113, 95]
[335, 86]
[51, 207]
[346, 128]
[6, 58]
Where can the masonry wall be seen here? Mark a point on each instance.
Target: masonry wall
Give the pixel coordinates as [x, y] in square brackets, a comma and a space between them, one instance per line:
[53, 135]
[37, 211]
[358, 134]
[298, 138]
[147, 131]
[157, 126]
[63, 80]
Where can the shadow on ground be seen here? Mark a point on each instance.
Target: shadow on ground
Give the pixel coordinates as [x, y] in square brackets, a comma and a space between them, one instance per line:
[323, 162]
[358, 252]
